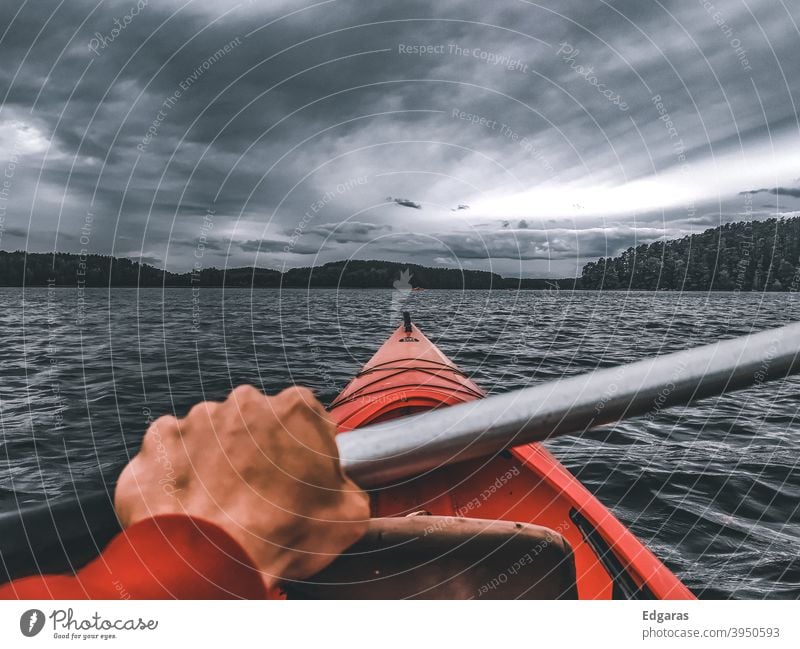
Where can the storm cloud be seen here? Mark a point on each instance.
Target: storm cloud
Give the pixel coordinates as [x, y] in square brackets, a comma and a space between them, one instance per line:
[794, 192]
[274, 131]
[405, 202]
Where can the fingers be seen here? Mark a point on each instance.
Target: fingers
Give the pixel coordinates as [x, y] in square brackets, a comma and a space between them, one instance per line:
[246, 395]
[164, 430]
[246, 399]
[203, 412]
[301, 401]
[293, 400]
[303, 417]
[294, 410]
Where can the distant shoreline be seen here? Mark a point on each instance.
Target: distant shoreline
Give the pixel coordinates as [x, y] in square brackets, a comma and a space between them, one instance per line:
[66, 270]
[755, 256]
[715, 291]
[384, 288]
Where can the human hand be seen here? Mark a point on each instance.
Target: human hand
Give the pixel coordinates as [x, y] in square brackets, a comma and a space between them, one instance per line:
[264, 469]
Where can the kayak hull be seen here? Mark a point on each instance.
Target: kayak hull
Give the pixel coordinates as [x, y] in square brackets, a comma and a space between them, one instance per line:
[526, 484]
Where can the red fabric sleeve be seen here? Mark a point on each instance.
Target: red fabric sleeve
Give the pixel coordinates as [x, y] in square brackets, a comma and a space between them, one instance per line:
[164, 557]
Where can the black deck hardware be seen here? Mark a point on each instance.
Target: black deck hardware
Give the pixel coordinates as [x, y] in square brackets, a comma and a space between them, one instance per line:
[623, 585]
[407, 321]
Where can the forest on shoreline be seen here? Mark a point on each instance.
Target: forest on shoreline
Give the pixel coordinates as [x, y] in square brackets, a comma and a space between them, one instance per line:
[744, 256]
[102, 271]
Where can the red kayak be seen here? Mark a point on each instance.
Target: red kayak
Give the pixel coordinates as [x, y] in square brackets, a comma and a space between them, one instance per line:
[517, 525]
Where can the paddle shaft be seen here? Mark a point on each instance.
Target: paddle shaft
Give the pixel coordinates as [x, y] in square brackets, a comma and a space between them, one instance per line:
[384, 453]
[57, 537]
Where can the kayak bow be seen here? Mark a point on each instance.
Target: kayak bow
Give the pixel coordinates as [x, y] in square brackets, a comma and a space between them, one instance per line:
[526, 486]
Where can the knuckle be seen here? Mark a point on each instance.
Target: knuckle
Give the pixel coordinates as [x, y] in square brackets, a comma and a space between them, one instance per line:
[245, 392]
[300, 399]
[359, 510]
[247, 404]
[203, 410]
[162, 429]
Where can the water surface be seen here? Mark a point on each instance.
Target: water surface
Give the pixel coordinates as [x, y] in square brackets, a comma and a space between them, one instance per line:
[713, 489]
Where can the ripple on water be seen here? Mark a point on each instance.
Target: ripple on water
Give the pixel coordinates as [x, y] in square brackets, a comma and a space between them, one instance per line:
[713, 488]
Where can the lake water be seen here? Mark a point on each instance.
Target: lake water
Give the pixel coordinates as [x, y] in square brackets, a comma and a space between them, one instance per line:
[713, 489]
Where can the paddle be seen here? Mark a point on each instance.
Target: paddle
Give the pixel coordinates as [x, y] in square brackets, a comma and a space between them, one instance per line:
[382, 453]
[58, 537]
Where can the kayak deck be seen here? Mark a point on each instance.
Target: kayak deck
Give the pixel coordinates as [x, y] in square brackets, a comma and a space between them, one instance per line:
[526, 484]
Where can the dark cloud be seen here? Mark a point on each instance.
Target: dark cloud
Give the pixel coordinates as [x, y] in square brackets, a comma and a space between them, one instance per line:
[711, 220]
[280, 245]
[405, 202]
[550, 245]
[315, 240]
[794, 192]
[526, 245]
[14, 232]
[350, 231]
[268, 116]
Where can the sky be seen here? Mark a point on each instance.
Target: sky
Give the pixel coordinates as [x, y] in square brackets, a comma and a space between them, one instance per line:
[525, 138]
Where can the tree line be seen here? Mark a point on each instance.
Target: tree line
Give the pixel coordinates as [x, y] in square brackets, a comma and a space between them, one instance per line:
[99, 271]
[744, 256]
